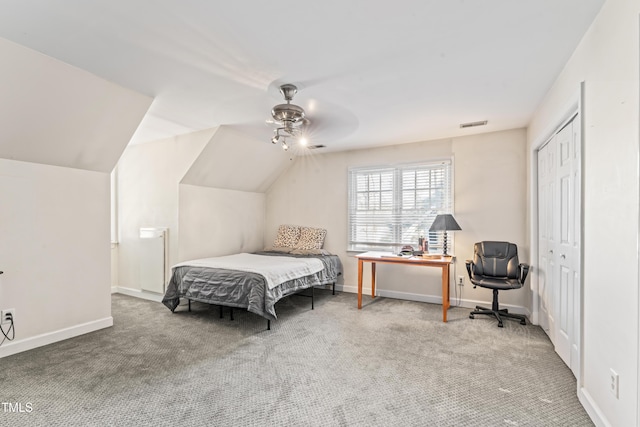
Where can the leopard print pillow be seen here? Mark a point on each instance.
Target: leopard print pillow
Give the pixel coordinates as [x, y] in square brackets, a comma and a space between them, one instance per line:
[288, 236]
[311, 238]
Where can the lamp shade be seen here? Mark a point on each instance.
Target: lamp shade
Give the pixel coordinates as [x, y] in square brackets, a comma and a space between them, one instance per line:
[444, 222]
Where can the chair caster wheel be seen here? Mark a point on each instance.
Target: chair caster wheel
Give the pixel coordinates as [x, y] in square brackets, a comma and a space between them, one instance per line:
[500, 325]
[523, 322]
[471, 316]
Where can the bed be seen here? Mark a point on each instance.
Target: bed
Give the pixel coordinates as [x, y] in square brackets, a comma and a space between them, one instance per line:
[256, 281]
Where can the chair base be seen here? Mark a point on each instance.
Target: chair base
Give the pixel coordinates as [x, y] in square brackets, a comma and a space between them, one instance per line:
[498, 313]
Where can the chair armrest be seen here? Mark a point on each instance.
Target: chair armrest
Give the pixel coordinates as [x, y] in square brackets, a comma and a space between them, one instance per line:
[524, 270]
[469, 264]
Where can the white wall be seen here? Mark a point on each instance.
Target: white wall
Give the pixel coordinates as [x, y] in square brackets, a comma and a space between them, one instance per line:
[607, 61]
[56, 114]
[235, 160]
[216, 222]
[54, 224]
[62, 130]
[488, 167]
[491, 199]
[147, 180]
[202, 221]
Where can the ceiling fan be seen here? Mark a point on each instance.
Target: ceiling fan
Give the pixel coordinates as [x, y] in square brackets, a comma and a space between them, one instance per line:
[289, 118]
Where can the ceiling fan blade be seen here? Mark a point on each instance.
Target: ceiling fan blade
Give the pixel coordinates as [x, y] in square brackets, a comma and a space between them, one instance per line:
[329, 122]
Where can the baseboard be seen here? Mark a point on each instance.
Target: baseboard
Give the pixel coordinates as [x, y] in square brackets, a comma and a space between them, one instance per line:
[14, 347]
[114, 289]
[437, 299]
[592, 409]
[432, 299]
[139, 294]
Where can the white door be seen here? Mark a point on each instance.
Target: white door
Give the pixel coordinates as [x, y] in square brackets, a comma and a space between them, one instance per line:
[559, 242]
[568, 253]
[546, 193]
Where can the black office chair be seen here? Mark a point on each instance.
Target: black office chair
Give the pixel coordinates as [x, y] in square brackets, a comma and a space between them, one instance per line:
[495, 266]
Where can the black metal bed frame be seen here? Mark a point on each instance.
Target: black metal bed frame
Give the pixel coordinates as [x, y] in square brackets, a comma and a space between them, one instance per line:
[299, 293]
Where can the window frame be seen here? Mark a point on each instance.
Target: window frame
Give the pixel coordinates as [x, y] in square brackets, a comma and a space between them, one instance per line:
[399, 217]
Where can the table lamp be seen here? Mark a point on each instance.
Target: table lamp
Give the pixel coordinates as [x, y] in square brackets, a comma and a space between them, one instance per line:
[444, 222]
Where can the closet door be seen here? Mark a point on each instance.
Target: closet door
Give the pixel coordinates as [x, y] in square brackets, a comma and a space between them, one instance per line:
[559, 241]
[546, 246]
[568, 178]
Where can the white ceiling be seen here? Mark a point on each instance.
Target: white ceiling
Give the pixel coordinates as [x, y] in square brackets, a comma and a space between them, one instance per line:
[369, 72]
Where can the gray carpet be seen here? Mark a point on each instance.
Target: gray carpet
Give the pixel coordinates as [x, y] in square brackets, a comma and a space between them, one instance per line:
[391, 363]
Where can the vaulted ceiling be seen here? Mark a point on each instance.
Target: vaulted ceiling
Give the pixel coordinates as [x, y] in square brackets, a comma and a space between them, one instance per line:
[369, 72]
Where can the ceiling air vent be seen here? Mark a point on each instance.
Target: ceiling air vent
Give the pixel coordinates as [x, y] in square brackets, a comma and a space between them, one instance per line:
[473, 124]
[313, 147]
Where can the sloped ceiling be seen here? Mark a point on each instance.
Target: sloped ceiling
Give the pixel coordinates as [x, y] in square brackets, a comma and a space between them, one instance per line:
[235, 160]
[370, 72]
[56, 114]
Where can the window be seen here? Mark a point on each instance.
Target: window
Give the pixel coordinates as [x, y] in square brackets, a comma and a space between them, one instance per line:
[392, 206]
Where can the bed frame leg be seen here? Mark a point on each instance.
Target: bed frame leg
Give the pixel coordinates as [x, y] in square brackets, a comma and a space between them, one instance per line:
[334, 288]
[189, 304]
[268, 325]
[312, 288]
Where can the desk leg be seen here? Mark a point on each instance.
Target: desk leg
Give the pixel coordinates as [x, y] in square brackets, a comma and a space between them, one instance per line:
[373, 280]
[360, 283]
[445, 291]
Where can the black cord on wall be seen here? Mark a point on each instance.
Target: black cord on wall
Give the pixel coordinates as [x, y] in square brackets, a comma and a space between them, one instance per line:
[11, 330]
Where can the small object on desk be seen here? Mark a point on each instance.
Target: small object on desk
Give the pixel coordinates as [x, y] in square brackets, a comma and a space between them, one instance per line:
[398, 255]
[424, 244]
[406, 251]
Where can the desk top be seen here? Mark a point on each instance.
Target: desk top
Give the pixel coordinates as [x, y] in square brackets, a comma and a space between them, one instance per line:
[392, 258]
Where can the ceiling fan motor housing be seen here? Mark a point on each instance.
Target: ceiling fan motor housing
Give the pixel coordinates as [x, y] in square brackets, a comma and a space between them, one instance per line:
[287, 113]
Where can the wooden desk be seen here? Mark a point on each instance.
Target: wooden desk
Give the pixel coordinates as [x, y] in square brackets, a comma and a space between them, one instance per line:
[381, 257]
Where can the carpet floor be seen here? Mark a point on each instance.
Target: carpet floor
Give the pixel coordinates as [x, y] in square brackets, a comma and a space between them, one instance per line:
[392, 363]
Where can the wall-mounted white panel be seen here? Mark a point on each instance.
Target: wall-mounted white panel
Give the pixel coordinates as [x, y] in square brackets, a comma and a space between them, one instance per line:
[153, 259]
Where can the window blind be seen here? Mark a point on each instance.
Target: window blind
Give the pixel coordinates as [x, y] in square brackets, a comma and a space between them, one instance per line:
[392, 206]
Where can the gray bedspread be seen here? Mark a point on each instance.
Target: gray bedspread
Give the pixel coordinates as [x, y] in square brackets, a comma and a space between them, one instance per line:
[235, 288]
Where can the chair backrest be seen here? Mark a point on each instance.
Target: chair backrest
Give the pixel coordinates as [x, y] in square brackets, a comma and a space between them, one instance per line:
[496, 259]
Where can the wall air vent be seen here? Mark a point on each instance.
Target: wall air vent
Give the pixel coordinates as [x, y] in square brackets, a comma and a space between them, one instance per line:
[314, 147]
[473, 124]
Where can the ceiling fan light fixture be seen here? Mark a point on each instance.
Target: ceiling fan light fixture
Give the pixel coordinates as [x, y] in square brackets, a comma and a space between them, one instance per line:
[290, 118]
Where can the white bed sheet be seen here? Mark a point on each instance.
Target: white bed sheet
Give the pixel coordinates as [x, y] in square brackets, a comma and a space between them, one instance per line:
[275, 270]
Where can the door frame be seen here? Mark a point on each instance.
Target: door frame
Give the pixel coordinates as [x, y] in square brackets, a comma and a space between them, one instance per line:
[573, 106]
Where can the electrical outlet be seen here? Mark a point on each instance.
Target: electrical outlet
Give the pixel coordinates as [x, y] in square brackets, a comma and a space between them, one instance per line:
[614, 383]
[7, 315]
[460, 280]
